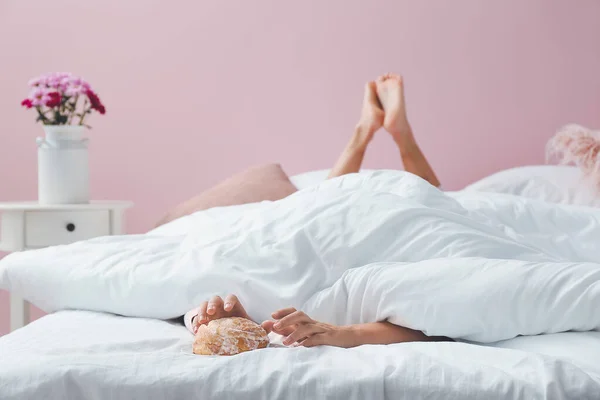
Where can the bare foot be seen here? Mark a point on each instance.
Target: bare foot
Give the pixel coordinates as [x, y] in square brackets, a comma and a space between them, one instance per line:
[390, 90]
[371, 119]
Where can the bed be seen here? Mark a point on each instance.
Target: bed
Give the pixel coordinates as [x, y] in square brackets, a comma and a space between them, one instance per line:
[500, 274]
[89, 355]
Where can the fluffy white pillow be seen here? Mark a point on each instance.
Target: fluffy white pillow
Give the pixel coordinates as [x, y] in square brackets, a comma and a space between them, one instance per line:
[312, 178]
[551, 183]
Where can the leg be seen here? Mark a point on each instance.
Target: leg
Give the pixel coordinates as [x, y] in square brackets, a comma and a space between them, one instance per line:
[390, 89]
[370, 122]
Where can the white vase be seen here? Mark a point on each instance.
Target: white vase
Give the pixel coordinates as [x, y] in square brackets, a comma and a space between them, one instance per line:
[63, 168]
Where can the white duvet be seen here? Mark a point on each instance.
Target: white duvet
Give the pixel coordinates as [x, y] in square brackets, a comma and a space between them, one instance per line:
[361, 248]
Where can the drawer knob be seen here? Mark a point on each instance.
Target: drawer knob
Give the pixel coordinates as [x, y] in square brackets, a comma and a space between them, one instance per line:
[70, 227]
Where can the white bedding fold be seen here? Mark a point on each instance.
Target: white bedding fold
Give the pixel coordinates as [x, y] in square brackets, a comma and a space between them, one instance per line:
[474, 299]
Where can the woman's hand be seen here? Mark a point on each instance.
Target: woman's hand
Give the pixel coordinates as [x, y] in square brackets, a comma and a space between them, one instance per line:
[216, 308]
[299, 329]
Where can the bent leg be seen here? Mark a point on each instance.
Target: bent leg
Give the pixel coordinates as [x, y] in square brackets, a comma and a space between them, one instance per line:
[370, 122]
[390, 89]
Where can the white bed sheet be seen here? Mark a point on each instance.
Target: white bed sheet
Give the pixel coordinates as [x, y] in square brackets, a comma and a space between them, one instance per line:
[581, 348]
[89, 355]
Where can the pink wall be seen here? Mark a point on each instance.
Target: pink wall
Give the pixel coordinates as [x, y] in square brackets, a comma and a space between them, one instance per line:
[196, 90]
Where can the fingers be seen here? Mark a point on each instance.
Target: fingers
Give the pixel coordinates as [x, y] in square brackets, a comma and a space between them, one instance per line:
[202, 316]
[238, 309]
[302, 332]
[284, 331]
[268, 325]
[216, 308]
[314, 340]
[282, 313]
[295, 318]
[230, 302]
[216, 303]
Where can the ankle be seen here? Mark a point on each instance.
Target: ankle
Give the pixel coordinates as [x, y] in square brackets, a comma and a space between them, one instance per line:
[362, 137]
[403, 133]
[404, 138]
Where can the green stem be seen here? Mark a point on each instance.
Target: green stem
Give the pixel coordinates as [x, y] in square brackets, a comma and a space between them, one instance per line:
[84, 112]
[42, 115]
[73, 110]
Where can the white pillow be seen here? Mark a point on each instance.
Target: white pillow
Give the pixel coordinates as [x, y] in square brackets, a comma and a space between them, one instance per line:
[551, 183]
[312, 178]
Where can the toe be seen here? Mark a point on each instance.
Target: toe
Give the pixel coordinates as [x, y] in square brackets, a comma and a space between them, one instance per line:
[394, 77]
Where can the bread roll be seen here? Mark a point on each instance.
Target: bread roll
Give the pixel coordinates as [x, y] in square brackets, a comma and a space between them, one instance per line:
[228, 336]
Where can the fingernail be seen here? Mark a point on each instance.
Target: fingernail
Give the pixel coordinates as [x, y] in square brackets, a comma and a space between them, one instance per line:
[227, 305]
[277, 325]
[287, 341]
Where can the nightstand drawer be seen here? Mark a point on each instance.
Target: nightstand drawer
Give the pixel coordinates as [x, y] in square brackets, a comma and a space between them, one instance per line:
[49, 228]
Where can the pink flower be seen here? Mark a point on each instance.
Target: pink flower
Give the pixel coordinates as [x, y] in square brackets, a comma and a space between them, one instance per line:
[40, 80]
[75, 86]
[39, 97]
[58, 92]
[60, 75]
[27, 103]
[55, 99]
[95, 102]
[53, 82]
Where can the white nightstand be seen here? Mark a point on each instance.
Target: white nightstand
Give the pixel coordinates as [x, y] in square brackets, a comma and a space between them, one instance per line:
[30, 225]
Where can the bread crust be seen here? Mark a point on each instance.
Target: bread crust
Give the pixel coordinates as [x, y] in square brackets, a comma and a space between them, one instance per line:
[229, 336]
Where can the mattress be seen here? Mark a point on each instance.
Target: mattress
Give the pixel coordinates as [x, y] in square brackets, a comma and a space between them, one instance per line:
[90, 355]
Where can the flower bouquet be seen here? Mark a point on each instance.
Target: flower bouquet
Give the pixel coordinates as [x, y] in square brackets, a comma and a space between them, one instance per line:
[62, 103]
[62, 99]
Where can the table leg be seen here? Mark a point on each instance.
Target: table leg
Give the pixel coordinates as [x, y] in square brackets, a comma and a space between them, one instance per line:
[19, 312]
